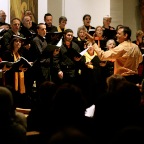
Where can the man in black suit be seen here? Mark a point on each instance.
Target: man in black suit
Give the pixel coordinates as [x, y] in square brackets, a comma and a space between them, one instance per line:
[50, 28]
[66, 64]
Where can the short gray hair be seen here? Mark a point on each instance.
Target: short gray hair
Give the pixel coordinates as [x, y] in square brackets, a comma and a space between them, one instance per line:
[62, 18]
[81, 28]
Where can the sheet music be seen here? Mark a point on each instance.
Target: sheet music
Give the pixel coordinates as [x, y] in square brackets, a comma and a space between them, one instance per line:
[1, 30]
[90, 111]
[93, 30]
[84, 51]
[19, 36]
[59, 43]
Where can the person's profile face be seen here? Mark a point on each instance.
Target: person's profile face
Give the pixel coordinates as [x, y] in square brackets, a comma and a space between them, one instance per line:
[62, 24]
[121, 37]
[42, 30]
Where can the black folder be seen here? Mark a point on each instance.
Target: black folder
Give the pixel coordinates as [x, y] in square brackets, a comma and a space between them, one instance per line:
[7, 63]
[71, 52]
[18, 36]
[30, 37]
[53, 37]
[2, 32]
[21, 62]
[15, 65]
[109, 34]
[48, 51]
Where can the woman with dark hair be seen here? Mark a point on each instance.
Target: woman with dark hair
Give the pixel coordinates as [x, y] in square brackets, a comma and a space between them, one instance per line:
[14, 77]
[87, 21]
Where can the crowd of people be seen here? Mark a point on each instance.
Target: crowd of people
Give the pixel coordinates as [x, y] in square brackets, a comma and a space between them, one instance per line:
[100, 67]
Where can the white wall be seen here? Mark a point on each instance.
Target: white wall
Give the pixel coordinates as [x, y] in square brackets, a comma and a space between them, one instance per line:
[42, 10]
[74, 10]
[55, 8]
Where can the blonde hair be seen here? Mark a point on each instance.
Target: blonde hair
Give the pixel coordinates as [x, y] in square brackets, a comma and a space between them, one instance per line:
[139, 33]
[81, 28]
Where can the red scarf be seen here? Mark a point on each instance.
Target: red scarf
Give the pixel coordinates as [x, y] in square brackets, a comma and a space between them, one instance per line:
[67, 44]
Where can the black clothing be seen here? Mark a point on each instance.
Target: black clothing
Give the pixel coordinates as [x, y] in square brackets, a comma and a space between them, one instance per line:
[81, 43]
[109, 68]
[102, 44]
[35, 73]
[141, 65]
[91, 80]
[109, 33]
[29, 34]
[9, 75]
[50, 29]
[89, 27]
[133, 79]
[65, 63]
[1, 24]
[34, 26]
